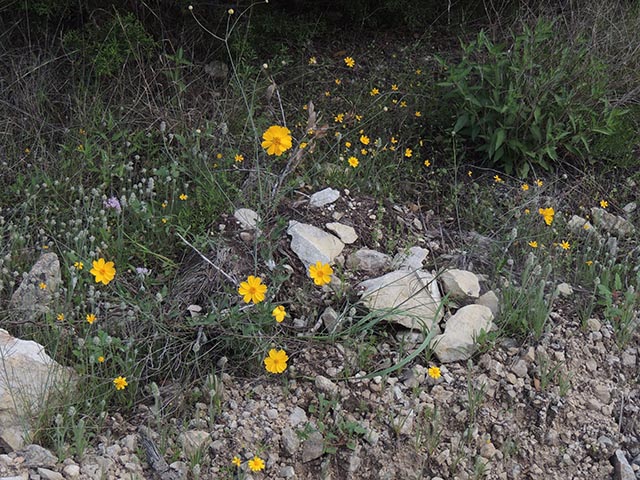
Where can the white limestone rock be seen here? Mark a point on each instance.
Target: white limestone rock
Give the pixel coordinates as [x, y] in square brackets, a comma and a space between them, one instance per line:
[490, 299]
[323, 197]
[29, 379]
[367, 260]
[460, 285]
[409, 298]
[458, 342]
[194, 441]
[247, 218]
[614, 224]
[413, 259]
[312, 244]
[346, 233]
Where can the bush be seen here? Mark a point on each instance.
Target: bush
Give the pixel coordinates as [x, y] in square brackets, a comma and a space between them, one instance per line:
[108, 47]
[530, 104]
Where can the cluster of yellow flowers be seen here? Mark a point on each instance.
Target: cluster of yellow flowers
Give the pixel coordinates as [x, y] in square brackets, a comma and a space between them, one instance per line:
[256, 464]
[254, 291]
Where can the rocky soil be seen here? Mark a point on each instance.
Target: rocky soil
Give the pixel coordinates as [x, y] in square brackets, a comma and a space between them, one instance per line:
[565, 407]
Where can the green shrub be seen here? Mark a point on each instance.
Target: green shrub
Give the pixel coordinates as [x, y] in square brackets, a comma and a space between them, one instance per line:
[530, 104]
[108, 47]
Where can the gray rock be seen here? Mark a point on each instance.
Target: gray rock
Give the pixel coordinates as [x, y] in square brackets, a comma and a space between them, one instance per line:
[607, 445]
[630, 207]
[409, 298]
[579, 225]
[217, 70]
[71, 471]
[346, 233]
[403, 423]
[460, 333]
[297, 417]
[491, 301]
[370, 261]
[180, 468]
[594, 324]
[460, 285]
[621, 468]
[411, 260]
[247, 218]
[324, 197]
[372, 437]
[330, 319]
[287, 472]
[614, 224]
[602, 393]
[325, 385]
[520, 368]
[37, 456]
[219, 445]
[354, 461]
[313, 447]
[29, 299]
[194, 441]
[130, 442]
[564, 289]
[290, 441]
[628, 359]
[488, 450]
[47, 474]
[312, 244]
[28, 378]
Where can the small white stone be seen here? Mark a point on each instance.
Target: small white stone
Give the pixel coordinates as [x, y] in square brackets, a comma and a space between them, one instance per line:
[346, 233]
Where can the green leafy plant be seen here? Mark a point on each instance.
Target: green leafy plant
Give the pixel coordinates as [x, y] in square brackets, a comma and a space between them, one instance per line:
[109, 47]
[524, 307]
[620, 306]
[531, 103]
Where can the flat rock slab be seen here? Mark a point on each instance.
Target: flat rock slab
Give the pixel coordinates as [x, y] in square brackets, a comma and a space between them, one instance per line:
[312, 244]
[370, 261]
[324, 197]
[458, 342]
[412, 259]
[409, 298]
[614, 224]
[346, 233]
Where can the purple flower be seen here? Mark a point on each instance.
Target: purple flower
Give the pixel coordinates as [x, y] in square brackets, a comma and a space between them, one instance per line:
[142, 271]
[114, 203]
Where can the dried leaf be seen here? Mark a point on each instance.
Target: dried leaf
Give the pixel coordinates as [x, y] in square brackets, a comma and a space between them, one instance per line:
[311, 122]
[270, 91]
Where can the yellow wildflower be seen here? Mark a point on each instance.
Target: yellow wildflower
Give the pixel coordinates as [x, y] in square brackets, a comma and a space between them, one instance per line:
[252, 290]
[547, 214]
[120, 383]
[320, 273]
[279, 313]
[276, 362]
[277, 140]
[103, 271]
